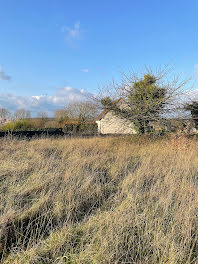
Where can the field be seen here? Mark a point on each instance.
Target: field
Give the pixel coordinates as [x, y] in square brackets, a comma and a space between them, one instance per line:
[99, 200]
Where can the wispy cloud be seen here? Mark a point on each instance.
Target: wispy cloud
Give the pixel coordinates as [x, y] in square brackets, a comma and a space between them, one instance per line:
[72, 33]
[4, 76]
[85, 70]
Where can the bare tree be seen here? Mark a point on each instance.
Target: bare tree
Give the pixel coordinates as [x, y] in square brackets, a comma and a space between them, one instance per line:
[42, 114]
[4, 113]
[61, 115]
[22, 114]
[83, 111]
[144, 99]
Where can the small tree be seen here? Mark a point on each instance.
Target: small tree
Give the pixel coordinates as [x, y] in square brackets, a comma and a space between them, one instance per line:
[42, 118]
[193, 108]
[142, 100]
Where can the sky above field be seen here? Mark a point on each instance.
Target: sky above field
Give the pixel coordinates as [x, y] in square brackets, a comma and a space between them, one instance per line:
[56, 51]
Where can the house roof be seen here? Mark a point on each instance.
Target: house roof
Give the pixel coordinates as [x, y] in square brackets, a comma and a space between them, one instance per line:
[105, 111]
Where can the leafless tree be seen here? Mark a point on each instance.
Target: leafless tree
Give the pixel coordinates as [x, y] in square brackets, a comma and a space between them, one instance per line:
[61, 115]
[83, 111]
[42, 114]
[4, 113]
[22, 114]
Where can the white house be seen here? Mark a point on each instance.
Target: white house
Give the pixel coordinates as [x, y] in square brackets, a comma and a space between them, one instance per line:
[109, 123]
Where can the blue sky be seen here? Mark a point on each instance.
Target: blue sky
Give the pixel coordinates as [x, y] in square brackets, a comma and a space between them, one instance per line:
[59, 48]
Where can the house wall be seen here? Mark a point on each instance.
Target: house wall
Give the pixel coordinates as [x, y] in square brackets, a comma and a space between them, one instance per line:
[112, 124]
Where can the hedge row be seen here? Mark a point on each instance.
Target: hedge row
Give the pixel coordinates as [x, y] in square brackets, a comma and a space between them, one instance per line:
[25, 125]
[23, 128]
[84, 128]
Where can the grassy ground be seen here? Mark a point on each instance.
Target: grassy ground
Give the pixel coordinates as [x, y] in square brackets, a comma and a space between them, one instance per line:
[99, 200]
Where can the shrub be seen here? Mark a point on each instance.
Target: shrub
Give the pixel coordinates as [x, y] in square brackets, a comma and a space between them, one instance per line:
[81, 128]
[16, 126]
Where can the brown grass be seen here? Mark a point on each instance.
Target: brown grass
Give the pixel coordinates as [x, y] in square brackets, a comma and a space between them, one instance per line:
[99, 200]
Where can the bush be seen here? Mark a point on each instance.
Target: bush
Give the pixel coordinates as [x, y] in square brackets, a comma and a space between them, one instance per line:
[17, 126]
[81, 128]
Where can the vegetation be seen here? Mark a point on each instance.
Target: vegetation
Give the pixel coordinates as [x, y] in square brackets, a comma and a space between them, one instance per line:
[193, 108]
[22, 114]
[82, 111]
[4, 113]
[17, 125]
[72, 127]
[42, 115]
[143, 100]
[77, 128]
[146, 99]
[99, 200]
[61, 116]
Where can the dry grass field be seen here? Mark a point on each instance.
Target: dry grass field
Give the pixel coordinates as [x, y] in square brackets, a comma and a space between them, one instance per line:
[99, 200]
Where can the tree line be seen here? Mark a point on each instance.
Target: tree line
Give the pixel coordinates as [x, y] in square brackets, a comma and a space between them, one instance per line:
[81, 111]
[19, 114]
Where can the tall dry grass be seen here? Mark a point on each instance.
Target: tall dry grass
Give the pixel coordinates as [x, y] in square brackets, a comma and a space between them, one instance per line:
[100, 200]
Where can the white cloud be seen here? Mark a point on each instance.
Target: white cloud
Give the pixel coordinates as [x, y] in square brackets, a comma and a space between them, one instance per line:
[85, 70]
[72, 33]
[48, 103]
[4, 76]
